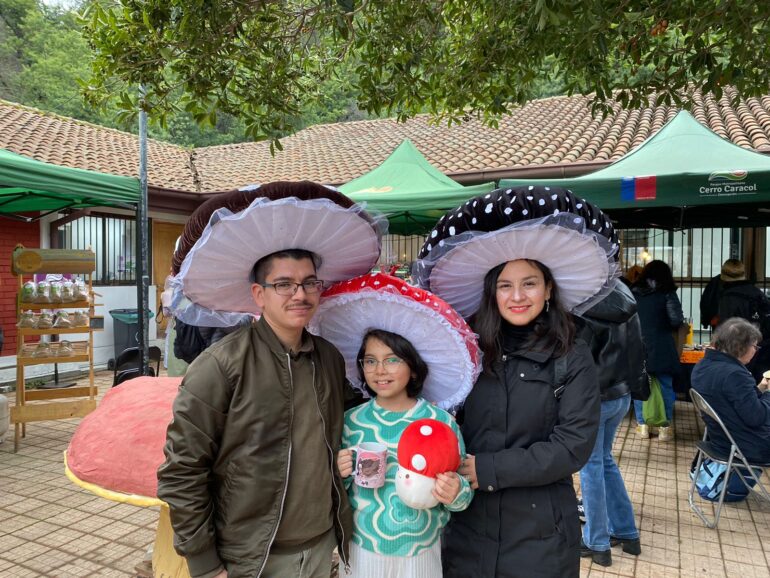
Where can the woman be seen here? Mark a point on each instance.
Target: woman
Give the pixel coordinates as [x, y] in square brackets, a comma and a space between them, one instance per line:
[520, 261]
[529, 429]
[660, 313]
[724, 382]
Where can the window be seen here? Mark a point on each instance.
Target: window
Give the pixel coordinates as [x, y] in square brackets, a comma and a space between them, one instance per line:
[111, 237]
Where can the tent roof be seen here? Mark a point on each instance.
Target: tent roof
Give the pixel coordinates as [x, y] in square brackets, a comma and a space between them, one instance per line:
[675, 178]
[30, 185]
[410, 191]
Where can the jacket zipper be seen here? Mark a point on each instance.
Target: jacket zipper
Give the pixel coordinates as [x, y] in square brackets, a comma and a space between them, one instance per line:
[331, 454]
[288, 465]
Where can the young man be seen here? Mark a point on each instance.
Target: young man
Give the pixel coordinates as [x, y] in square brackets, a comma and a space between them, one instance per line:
[249, 473]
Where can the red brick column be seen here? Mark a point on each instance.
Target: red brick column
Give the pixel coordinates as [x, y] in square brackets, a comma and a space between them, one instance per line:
[11, 234]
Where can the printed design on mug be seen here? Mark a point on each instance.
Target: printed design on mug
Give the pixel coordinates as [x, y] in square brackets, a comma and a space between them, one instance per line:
[369, 468]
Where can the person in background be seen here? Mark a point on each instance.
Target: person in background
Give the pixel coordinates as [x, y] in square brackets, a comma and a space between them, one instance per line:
[660, 313]
[632, 275]
[740, 298]
[612, 330]
[709, 301]
[724, 382]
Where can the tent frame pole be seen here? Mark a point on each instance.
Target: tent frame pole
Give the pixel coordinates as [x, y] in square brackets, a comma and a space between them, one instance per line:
[142, 277]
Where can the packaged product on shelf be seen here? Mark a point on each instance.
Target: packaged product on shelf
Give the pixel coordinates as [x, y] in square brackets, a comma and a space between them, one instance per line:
[80, 319]
[43, 293]
[42, 349]
[44, 320]
[65, 349]
[28, 291]
[80, 290]
[27, 319]
[63, 320]
[55, 291]
[67, 291]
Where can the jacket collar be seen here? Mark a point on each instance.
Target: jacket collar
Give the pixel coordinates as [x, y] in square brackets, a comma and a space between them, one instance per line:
[267, 335]
[715, 355]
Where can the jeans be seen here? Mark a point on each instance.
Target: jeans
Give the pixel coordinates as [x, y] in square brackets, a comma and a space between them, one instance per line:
[608, 508]
[669, 397]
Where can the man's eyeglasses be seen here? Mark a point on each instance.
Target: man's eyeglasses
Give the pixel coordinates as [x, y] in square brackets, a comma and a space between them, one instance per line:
[289, 288]
[389, 364]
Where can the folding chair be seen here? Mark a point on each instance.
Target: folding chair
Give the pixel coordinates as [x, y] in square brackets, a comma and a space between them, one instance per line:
[734, 460]
[127, 364]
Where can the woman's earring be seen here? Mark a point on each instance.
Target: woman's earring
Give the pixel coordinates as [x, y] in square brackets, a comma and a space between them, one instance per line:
[547, 305]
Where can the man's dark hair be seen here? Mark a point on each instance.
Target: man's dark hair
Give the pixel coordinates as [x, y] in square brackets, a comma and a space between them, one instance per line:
[402, 348]
[261, 268]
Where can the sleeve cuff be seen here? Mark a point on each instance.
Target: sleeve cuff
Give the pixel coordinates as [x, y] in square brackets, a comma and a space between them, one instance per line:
[205, 564]
[485, 473]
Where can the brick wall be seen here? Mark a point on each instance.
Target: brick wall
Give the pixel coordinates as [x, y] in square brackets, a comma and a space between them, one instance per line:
[11, 234]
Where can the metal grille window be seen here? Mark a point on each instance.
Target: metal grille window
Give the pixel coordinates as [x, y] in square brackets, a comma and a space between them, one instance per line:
[694, 255]
[112, 238]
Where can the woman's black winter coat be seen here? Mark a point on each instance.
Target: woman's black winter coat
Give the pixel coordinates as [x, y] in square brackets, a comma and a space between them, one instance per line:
[523, 520]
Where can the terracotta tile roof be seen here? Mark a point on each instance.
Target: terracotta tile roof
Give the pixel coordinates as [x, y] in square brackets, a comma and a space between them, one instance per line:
[558, 130]
[65, 141]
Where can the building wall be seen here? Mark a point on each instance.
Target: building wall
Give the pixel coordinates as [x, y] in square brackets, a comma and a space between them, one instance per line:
[11, 234]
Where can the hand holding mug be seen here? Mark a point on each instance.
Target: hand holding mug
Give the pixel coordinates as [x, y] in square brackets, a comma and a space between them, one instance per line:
[345, 462]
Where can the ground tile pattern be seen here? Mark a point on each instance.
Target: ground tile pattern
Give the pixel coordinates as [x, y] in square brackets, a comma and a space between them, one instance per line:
[51, 528]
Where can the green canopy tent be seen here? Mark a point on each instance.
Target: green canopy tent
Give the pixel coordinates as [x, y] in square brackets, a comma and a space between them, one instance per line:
[27, 185]
[30, 186]
[411, 192]
[683, 176]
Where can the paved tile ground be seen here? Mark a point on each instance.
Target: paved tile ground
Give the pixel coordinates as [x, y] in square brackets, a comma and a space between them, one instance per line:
[49, 527]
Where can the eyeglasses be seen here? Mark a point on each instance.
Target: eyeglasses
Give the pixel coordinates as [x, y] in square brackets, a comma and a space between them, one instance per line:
[389, 364]
[289, 288]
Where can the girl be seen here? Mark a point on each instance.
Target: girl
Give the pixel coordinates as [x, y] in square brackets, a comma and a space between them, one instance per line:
[391, 539]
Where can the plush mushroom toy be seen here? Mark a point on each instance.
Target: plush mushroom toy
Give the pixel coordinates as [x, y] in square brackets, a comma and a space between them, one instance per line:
[116, 450]
[427, 447]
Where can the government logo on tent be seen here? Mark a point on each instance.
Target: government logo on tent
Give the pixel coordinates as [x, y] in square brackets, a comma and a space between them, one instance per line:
[724, 176]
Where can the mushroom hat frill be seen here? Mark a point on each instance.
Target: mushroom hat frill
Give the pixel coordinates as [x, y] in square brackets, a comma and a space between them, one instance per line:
[377, 301]
[570, 236]
[228, 233]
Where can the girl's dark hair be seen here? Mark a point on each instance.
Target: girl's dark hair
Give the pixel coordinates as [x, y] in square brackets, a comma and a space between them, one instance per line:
[553, 328]
[659, 272]
[402, 348]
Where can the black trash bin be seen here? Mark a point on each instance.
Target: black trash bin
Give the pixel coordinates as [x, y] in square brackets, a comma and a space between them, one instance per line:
[125, 329]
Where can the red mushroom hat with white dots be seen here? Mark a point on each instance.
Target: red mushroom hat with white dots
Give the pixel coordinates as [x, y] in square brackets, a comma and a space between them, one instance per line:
[376, 301]
[428, 447]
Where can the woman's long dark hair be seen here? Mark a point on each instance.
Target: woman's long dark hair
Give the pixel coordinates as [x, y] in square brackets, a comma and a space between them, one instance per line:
[553, 328]
[660, 273]
[403, 349]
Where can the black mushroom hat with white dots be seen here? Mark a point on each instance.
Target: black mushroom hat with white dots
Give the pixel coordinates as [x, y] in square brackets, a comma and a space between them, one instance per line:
[572, 237]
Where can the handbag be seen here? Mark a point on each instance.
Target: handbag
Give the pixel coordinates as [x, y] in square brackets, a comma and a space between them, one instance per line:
[654, 410]
[711, 478]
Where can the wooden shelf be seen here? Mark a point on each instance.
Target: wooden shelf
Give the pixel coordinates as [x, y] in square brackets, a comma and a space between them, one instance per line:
[26, 331]
[60, 305]
[43, 404]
